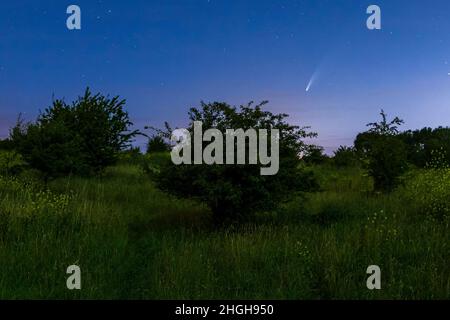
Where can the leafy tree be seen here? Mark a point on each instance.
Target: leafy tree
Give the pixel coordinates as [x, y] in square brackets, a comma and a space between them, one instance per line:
[363, 143]
[422, 144]
[384, 152]
[387, 162]
[157, 144]
[81, 138]
[385, 127]
[345, 157]
[235, 192]
[52, 148]
[314, 155]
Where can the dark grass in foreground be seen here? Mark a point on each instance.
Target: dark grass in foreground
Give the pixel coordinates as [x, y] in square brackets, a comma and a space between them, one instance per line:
[134, 242]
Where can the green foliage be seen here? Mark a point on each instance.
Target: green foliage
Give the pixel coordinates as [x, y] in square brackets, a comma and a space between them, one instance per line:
[238, 191]
[345, 157]
[132, 156]
[421, 144]
[81, 138]
[343, 179]
[429, 190]
[385, 127]
[33, 199]
[154, 162]
[314, 155]
[52, 148]
[383, 152]
[11, 163]
[6, 144]
[157, 144]
[363, 143]
[386, 162]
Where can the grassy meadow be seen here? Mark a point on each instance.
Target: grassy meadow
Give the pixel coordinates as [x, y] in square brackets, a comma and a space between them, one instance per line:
[135, 242]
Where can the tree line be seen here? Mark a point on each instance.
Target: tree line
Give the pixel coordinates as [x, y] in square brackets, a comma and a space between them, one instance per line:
[95, 131]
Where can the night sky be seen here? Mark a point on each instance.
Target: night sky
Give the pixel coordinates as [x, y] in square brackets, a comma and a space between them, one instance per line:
[166, 56]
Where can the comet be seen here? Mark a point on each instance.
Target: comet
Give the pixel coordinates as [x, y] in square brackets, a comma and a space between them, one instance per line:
[313, 79]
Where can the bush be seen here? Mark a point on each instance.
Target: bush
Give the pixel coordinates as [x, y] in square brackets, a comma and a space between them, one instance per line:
[236, 192]
[383, 152]
[51, 148]
[428, 190]
[154, 161]
[345, 157]
[6, 145]
[426, 141]
[314, 155]
[81, 138]
[11, 163]
[386, 162]
[132, 156]
[157, 144]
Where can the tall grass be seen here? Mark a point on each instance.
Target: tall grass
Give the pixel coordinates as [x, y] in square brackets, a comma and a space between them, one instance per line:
[134, 242]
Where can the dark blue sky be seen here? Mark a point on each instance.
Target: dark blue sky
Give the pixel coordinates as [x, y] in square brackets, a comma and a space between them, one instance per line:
[166, 56]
